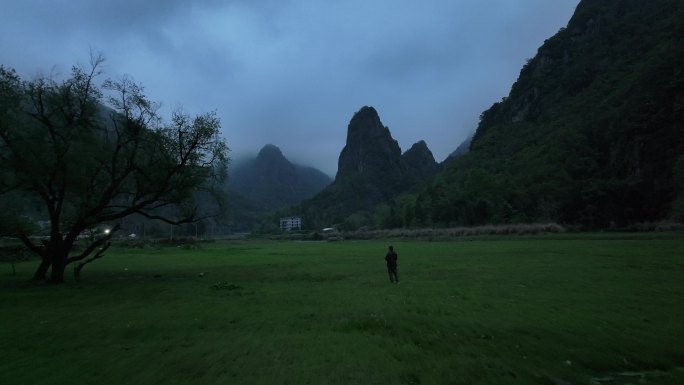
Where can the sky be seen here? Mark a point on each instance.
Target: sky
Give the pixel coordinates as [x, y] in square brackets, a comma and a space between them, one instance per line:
[293, 72]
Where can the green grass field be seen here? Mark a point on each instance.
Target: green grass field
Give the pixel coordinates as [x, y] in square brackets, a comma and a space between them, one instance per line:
[573, 309]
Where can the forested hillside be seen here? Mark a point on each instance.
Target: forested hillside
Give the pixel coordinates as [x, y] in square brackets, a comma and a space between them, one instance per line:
[269, 182]
[590, 133]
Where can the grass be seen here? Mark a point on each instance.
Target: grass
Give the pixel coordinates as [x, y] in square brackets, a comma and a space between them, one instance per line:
[488, 310]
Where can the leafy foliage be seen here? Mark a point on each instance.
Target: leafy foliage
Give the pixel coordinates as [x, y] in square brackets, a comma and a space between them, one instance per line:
[85, 164]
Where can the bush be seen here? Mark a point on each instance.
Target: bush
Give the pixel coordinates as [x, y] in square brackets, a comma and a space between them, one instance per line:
[655, 226]
[531, 228]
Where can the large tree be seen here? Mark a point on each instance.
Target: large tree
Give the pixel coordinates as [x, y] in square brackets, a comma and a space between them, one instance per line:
[89, 155]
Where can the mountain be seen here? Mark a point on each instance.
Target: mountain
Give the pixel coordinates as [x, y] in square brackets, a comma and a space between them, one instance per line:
[590, 133]
[270, 181]
[420, 162]
[370, 148]
[371, 170]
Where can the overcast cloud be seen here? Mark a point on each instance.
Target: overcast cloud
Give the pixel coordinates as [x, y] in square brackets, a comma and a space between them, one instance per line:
[293, 72]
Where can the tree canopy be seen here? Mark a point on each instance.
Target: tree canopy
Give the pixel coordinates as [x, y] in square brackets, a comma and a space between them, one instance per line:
[82, 155]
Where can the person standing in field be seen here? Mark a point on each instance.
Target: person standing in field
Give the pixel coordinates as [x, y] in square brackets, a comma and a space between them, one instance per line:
[391, 258]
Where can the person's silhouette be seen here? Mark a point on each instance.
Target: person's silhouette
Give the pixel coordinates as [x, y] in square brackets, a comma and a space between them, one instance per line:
[391, 258]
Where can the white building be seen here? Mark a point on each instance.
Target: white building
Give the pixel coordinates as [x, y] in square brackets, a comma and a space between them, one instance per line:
[291, 223]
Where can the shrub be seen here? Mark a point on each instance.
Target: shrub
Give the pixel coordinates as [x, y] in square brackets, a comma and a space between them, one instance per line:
[523, 228]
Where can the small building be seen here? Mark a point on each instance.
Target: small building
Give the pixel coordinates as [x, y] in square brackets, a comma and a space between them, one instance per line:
[291, 223]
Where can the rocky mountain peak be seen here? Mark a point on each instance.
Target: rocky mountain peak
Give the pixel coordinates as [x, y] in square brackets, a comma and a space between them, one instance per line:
[419, 148]
[270, 154]
[420, 161]
[371, 170]
[270, 180]
[370, 147]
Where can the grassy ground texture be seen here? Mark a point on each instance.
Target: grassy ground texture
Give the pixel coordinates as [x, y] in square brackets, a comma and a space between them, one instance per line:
[576, 309]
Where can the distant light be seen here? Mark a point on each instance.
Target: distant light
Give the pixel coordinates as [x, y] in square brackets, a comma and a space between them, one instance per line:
[107, 231]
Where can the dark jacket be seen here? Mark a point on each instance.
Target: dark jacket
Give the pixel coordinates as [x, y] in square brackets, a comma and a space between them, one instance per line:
[391, 259]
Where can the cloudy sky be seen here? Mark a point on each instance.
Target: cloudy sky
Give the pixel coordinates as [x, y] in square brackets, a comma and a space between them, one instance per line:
[293, 72]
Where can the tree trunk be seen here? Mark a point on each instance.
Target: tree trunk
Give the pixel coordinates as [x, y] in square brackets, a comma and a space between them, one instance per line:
[57, 252]
[41, 272]
[58, 267]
